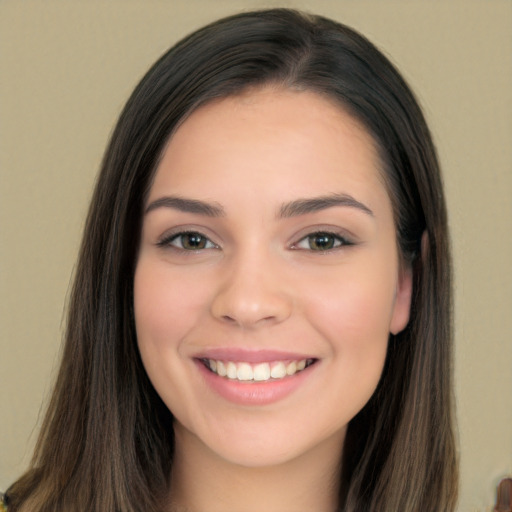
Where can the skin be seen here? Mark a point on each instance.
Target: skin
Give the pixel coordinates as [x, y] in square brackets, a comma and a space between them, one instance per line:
[260, 283]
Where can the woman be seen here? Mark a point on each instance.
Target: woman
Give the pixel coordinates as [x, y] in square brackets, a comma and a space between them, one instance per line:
[261, 314]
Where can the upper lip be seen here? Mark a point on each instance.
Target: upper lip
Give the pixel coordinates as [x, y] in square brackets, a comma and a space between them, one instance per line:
[250, 356]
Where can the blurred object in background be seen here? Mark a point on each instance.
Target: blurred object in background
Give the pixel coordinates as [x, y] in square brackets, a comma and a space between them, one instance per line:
[504, 496]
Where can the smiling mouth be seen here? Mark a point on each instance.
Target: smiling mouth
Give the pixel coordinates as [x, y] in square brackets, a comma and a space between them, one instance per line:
[260, 372]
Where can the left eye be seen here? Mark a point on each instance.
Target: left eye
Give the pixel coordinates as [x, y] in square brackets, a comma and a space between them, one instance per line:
[321, 241]
[189, 241]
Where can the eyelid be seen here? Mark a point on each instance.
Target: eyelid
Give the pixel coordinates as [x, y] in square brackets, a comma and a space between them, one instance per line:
[341, 236]
[165, 240]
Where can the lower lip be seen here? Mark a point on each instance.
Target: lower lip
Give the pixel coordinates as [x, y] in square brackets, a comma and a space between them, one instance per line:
[253, 393]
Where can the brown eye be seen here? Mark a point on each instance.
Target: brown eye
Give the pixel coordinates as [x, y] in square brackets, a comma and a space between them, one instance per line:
[193, 241]
[322, 241]
[188, 241]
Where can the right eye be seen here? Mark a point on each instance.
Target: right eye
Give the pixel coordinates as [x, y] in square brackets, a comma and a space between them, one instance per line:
[188, 241]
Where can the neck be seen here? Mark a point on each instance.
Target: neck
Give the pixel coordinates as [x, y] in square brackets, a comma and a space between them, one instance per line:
[202, 481]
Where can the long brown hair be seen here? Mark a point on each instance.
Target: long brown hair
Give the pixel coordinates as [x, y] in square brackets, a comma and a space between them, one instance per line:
[107, 440]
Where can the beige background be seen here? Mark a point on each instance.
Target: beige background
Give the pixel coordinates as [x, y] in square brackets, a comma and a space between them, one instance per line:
[68, 66]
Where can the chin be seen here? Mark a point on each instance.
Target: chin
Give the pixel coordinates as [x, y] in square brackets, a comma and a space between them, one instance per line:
[258, 444]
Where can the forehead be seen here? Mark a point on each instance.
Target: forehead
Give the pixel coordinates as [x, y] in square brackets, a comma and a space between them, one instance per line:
[277, 142]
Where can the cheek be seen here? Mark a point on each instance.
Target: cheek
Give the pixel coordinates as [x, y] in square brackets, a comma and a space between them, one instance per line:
[165, 306]
[357, 305]
[354, 314]
[166, 310]
[153, 317]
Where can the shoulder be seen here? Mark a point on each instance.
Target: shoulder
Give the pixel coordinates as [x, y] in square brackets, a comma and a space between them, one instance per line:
[3, 506]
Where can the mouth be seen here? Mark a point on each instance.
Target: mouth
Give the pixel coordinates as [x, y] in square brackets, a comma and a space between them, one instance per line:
[255, 377]
[243, 371]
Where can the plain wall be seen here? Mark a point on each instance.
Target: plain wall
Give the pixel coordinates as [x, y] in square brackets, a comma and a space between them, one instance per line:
[67, 67]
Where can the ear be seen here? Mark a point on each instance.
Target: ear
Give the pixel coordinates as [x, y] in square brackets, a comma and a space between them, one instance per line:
[402, 305]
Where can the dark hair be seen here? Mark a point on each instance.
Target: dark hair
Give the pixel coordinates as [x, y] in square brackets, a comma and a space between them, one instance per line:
[107, 441]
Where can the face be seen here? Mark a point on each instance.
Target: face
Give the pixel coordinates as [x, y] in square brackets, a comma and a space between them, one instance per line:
[268, 278]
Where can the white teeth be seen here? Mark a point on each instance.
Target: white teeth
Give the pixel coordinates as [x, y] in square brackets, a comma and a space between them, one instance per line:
[221, 368]
[244, 372]
[291, 368]
[231, 370]
[278, 371]
[260, 372]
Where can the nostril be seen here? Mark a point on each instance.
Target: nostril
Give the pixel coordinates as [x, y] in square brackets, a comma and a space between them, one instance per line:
[249, 306]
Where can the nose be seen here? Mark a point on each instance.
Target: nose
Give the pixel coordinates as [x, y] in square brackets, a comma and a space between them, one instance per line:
[251, 293]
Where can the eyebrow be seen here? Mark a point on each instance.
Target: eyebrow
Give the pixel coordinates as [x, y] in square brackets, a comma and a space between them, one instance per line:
[315, 204]
[187, 206]
[287, 210]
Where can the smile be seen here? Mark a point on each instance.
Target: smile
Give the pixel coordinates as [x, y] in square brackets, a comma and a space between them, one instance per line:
[260, 372]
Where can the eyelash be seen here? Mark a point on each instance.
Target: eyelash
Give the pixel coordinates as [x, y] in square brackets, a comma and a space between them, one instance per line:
[168, 241]
[335, 240]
